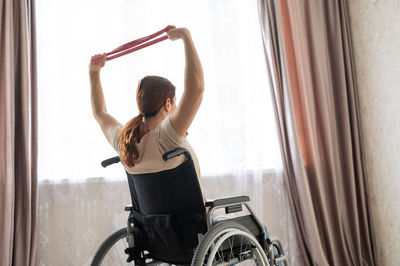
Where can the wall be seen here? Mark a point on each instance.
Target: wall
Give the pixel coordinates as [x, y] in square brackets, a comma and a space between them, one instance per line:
[375, 27]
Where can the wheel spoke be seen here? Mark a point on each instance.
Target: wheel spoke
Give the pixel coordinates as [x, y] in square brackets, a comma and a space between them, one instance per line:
[221, 253]
[231, 247]
[229, 243]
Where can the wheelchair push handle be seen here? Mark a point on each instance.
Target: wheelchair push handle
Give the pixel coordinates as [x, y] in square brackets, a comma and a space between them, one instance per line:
[110, 161]
[178, 151]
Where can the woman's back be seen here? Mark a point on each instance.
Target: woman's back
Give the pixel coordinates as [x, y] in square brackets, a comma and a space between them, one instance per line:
[153, 145]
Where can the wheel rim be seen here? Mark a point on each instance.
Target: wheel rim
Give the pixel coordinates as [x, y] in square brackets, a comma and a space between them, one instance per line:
[233, 246]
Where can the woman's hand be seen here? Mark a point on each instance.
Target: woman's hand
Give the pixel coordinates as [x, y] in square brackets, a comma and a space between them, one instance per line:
[96, 65]
[177, 33]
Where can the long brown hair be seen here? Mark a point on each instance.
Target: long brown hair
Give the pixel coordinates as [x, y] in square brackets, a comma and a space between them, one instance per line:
[151, 94]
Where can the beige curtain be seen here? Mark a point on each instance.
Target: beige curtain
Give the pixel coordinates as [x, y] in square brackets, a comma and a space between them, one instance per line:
[18, 127]
[307, 46]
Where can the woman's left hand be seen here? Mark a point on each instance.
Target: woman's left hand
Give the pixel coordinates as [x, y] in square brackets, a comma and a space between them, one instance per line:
[96, 65]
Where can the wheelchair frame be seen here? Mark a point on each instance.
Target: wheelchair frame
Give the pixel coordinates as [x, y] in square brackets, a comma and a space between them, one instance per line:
[272, 251]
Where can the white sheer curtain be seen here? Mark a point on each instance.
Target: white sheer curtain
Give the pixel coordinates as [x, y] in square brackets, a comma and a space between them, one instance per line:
[234, 133]
[235, 127]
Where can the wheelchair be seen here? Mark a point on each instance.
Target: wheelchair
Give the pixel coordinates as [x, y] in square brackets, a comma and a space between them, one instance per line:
[168, 223]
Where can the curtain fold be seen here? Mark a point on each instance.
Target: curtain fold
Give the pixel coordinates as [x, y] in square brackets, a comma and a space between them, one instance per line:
[307, 46]
[18, 133]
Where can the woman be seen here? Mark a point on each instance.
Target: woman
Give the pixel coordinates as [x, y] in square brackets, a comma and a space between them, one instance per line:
[161, 125]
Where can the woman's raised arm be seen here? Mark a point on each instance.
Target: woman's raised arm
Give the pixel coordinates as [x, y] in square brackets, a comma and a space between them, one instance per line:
[99, 110]
[185, 112]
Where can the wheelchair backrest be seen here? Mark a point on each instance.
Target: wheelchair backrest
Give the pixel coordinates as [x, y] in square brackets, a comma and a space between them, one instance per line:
[172, 207]
[167, 192]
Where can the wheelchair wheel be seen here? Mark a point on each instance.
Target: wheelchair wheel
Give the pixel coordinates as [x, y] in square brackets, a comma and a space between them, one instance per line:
[229, 243]
[112, 250]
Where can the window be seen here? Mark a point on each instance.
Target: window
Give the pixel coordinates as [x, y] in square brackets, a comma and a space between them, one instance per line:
[235, 128]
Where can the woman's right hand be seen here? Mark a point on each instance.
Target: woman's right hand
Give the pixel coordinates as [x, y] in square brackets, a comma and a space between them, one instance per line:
[177, 33]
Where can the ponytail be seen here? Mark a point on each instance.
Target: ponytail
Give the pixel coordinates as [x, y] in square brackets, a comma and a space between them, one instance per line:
[129, 135]
[151, 94]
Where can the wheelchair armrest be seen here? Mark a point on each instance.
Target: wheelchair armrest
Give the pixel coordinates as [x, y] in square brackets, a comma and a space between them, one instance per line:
[227, 201]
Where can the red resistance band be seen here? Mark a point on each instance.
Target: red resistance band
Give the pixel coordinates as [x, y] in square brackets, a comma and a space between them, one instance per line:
[135, 45]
